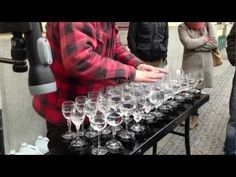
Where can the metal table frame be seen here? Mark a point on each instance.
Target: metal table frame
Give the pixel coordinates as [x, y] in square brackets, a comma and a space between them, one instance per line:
[142, 146]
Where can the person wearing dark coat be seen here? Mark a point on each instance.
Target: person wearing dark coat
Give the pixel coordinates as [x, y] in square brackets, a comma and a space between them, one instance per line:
[230, 141]
[149, 42]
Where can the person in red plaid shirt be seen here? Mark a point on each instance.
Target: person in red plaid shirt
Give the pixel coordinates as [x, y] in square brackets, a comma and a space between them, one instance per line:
[87, 56]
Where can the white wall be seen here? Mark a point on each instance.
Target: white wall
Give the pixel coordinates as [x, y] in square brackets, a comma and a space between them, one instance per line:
[175, 49]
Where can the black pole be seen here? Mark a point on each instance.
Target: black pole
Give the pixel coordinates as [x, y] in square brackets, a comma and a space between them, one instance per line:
[2, 149]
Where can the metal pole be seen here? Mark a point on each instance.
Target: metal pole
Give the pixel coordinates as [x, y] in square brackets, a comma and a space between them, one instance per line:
[2, 150]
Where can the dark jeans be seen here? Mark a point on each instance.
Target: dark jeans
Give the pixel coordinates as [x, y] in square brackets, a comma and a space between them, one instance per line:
[230, 141]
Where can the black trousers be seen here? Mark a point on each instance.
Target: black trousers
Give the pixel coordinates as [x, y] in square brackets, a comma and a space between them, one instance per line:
[54, 133]
[230, 140]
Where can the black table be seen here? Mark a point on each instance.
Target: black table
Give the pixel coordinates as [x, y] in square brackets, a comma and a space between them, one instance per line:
[157, 132]
[154, 132]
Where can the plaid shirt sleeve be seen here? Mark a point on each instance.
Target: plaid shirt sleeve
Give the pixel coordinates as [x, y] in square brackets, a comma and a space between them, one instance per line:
[78, 43]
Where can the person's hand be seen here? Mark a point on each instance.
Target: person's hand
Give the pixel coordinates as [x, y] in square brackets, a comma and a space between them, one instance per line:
[205, 38]
[148, 76]
[203, 32]
[149, 68]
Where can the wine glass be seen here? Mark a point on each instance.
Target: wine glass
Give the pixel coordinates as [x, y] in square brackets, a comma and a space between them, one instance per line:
[159, 93]
[192, 80]
[175, 81]
[141, 100]
[184, 82]
[77, 117]
[127, 108]
[199, 78]
[79, 103]
[90, 109]
[148, 106]
[104, 106]
[115, 98]
[98, 123]
[67, 107]
[93, 95]
[127, 89]
[168, 90]
[114, 119]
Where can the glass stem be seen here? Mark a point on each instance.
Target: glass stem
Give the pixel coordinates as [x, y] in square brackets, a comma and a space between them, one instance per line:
[82, 127]
[69, 125]
[113, 133]
[126, 125]
[77, 132]
[99, 139]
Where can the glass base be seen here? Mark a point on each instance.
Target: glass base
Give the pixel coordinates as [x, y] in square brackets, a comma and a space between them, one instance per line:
[81, 133]
[91, 134]
[119, 128]
[68, 135]
[77, 143]
[114, 145]
[79, 148]
[149, 117]
[126, 134]
[99, 151]
[106, 131]
[137, 128]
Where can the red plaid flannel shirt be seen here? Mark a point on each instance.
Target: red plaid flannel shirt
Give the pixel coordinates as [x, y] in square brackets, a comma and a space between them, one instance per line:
[87, 56]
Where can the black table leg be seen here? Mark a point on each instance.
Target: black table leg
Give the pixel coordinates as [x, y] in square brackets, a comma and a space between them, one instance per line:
[187, 140]
[154, 149]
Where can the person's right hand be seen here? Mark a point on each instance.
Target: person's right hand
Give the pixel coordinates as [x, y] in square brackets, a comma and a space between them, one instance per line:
[203, 31]
[148, 77]
[149, 68]
[204, 34]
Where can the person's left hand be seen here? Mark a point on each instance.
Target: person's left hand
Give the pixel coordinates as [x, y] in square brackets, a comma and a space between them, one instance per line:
[203, 32]
[145, 67]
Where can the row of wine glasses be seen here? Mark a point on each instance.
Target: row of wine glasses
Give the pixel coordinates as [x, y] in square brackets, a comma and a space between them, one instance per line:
[99, 114]
[108, 108]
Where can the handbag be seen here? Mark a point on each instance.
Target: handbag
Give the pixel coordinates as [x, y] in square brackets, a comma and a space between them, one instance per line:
[217, 59]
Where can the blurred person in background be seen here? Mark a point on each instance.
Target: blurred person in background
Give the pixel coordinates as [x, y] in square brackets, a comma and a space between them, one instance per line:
[230, 141]
[198, 39]
[149, 42]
